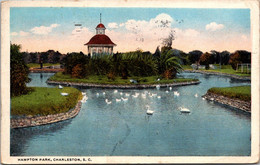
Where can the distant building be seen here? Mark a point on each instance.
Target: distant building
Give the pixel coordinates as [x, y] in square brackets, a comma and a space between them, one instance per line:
[100, 43]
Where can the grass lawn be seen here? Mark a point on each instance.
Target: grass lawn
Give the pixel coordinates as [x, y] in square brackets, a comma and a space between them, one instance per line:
[36, 65]
[102, 79]
[224, 69]
[45, 101]
[239, 92]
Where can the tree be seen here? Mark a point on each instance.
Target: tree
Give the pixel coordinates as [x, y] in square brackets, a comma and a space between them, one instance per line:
[19, 72]
[170, 64]
[73, 59]
[205, 59]
[194, 57]
[224, 57]
[239, 57]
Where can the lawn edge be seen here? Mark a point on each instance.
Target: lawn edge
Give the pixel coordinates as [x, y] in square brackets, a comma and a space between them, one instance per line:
[231, 102]
[120, 86]
[30, 121]
[248, 78]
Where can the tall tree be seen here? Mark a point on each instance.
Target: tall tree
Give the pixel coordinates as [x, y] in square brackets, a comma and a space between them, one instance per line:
[19, 72]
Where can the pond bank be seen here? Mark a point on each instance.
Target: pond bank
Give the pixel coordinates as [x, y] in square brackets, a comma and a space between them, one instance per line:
[221, 74]
[30, 121]
[45, 70]
[134, 86]
[235, 103]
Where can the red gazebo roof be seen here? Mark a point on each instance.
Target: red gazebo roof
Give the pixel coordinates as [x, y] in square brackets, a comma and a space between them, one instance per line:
[100, 26]
[100, 39]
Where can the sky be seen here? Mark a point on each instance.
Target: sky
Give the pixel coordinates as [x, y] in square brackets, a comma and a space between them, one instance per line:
[39, 29]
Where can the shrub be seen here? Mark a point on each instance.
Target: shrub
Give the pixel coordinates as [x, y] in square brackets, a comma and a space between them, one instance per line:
[111, 76]
[79, 71]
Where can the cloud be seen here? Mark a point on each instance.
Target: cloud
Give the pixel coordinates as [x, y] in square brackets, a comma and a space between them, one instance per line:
[23, 34]
[43, 30]
[121, 24]
[14, 34]
[213, 26]
[113, 25]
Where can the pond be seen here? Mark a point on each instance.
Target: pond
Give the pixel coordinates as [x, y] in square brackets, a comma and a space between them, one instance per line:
[124, 129]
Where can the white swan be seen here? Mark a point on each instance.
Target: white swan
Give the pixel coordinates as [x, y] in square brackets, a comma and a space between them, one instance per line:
[158, 97]
[176, 93]
[104, 93]
[149, 111]
[108, 102]
[121, 93]
[97, 94]
[115, 91]
[84, 93]
[64, 94]
[84, 99]
[157, 86]
[196, 95]
[170, 88]
[166, 91]
[60, 86]
[184, 110]
[117, 100]
[127, 94]
[124, 99]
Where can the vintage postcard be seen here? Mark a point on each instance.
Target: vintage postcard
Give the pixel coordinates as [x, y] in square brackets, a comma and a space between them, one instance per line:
[126, 81]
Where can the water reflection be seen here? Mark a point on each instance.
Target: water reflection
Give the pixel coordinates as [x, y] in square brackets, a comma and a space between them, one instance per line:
[20, 137]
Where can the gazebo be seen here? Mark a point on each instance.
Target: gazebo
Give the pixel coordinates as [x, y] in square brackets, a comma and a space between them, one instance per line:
[100, 43]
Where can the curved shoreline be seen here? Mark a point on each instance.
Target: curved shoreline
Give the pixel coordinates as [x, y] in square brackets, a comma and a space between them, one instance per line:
[30, 121]
[218, 73]
[234, 103]
[110, 86]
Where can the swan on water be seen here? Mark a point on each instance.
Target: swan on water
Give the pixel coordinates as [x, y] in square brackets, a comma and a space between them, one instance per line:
[184, 110]
[84, 93]
[115, 91]
[170, 88]
[124, 99]
[149, 111]
[104, 93]
[158, 97]
[127, 94]
[196, 95]
[121, 93]
[176, 93]
[203, 98]
[97, 94]
[166, 91]
[117, 100]
[157, 86]
[60, 86]
[108, 102]
[84, 99]
[64, 94]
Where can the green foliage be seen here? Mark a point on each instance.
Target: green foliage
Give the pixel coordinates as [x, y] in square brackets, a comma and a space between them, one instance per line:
[238, 92]
[45, 101]
[19, 72]
[239, 57]
[169, 63]
[79, 71]
[103, 79]
[205, 59]
[73, 59]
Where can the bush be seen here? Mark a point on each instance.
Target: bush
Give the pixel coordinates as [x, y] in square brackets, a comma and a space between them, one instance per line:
[111, 76]
[79, 71]
[19, 72]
